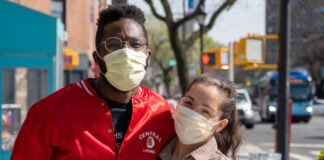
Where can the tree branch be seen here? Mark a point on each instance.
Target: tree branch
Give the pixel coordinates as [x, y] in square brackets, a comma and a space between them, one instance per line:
[189, 17]
[195, 35]
[167, 11]
[158, 16]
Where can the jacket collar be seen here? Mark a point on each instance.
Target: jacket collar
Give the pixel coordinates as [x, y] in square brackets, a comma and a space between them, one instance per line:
[140, 95]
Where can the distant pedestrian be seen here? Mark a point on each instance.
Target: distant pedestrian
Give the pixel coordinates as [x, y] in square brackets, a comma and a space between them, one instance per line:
[112, 117]
[206, 122]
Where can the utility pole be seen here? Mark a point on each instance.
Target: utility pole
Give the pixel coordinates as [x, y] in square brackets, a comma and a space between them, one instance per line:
[201, 47]
[282, 139]
[231, 61]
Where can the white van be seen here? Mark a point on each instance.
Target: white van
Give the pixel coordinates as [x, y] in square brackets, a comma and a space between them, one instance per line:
[244, 108]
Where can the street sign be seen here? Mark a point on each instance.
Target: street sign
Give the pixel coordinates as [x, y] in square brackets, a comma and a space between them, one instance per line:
[172, 63]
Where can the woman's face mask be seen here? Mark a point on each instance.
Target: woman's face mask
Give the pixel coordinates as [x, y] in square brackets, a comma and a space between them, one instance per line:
[191, 127]
[197, 115]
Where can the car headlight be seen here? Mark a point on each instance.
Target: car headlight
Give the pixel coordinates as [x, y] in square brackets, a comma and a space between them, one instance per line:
[272, 109]
[309, 109]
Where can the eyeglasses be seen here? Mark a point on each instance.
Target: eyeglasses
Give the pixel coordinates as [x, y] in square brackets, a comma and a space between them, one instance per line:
[115, 43]
[204, 110]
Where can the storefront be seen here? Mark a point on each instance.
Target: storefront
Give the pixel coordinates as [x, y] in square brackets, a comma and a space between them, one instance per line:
[31, 65]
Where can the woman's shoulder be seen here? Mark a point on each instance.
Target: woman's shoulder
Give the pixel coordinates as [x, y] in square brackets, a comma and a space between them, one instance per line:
[166, 152]
[208, 151]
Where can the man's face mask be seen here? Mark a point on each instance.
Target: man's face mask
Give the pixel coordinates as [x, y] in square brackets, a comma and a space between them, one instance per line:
[125, 67]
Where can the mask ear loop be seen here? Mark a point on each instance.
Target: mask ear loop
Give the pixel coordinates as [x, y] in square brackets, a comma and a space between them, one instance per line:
[99, 65]
[100, 58]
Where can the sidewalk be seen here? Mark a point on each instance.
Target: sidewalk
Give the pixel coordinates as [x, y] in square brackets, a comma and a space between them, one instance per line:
[250, 151]
[246, 149]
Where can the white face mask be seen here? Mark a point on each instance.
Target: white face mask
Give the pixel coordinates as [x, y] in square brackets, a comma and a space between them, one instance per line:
[125, 68]
[190, 126]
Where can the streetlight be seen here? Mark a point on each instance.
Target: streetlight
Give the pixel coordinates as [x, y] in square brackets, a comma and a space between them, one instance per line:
[201, 20]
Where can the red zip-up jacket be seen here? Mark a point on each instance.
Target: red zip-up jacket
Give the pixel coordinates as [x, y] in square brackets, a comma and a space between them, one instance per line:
[74, 123]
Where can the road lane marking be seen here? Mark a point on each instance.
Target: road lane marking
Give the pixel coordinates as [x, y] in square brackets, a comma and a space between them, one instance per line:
[297, 145]
[314, 152]
[299, 157]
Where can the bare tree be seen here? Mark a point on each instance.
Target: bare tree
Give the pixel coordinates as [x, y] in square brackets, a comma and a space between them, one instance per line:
[312, 57]
[180, 47]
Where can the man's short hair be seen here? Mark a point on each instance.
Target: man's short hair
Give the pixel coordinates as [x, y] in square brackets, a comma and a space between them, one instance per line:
[117, 12]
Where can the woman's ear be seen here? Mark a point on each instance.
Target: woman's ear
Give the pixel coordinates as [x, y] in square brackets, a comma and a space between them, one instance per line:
[221, 126]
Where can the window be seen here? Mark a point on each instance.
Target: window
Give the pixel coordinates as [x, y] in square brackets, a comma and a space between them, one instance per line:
[297, 27]
[322, 26]
[270, 30]
[307, 27]
[322, 10]
[315, 27]
[305, 13]
[58, 9]
[304, 27]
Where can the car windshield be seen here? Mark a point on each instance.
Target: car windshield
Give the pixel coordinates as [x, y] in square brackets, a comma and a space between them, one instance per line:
[241, 98]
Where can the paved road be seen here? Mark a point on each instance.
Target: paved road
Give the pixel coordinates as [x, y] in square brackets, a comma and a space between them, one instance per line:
[306, 141]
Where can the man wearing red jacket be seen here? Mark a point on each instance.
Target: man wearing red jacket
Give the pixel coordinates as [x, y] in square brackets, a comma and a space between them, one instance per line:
[111, 117]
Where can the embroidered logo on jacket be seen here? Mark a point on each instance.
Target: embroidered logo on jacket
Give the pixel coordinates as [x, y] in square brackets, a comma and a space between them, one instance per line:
[151, 139]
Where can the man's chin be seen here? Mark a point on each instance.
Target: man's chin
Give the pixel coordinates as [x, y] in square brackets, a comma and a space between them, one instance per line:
[114, 88]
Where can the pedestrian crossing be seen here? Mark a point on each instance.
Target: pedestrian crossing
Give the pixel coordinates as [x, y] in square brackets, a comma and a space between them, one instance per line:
[312, 154]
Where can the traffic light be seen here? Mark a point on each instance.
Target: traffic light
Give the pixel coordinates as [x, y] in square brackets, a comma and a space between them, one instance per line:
[216, 58]
[71, 59]
[250, 52]
[253, 50]
[239, 56]
[208, 58]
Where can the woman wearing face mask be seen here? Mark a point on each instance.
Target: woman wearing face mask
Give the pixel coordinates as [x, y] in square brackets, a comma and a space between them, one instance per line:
[206, 122]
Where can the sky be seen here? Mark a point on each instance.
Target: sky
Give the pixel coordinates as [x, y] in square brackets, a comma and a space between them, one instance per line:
[245, 16]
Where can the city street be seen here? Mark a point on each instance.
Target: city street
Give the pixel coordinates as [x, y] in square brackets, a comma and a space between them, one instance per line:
[306, 142]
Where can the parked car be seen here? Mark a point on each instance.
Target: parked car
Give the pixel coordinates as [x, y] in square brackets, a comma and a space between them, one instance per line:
[244, 108]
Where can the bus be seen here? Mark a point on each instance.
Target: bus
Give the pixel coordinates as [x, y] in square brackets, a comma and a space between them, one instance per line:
[301, 95]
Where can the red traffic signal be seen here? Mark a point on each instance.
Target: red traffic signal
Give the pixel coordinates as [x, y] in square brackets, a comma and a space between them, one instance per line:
[208, 58]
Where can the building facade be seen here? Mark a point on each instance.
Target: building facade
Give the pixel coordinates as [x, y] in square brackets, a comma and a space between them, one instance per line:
[79, 19]
[306, 33]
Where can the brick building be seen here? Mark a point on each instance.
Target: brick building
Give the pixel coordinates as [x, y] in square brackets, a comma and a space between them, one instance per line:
[25, 86]
[79, 18]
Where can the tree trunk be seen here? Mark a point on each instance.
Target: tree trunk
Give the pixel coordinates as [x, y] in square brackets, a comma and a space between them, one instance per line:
[167, 80]
[182, 66]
